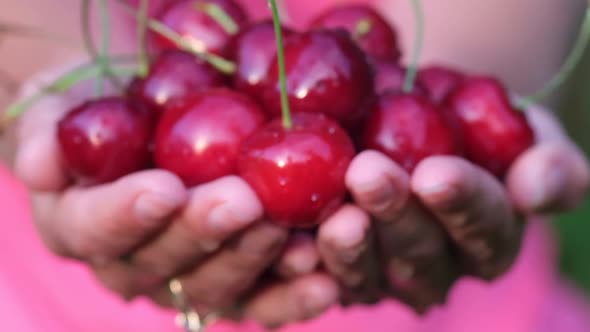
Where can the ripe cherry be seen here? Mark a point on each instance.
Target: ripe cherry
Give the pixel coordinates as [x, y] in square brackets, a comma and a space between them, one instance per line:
[298, 173]
[390, 76]
[174, 74]
[253, 50]
[105, 139]
[408, 128]
[326, 73]
[439, 81]
[494, 132]
[370, 30]
[196, 26]
[198, 138]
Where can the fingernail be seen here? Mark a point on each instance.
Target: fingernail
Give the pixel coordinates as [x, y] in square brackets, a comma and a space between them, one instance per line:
[348, 237]
[318, 298]
[301, 263]
[378, 194]
[549, 187]
[223, 219]
[401, 273]
[443, 196]
[435, 189]
[151, 208]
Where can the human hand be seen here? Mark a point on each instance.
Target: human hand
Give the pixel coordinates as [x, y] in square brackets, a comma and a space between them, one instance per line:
[450, 218]
[140, 231]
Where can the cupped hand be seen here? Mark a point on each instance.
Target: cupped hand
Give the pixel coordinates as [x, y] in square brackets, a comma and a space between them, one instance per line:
[140, 231]
[411, 237]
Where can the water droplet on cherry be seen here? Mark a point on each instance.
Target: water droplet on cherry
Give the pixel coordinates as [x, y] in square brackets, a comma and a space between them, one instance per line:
[315, 197]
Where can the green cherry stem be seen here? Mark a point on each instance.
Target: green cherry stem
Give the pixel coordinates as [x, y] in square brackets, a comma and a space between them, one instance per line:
[566, 69]
[413, 67]
[144, 63]
[63, 84]
[89, 44]
[219, 15]
[105, 32]
[221, 64]
[362, 28]
[287, 121]
[31, 32]
[85, 24]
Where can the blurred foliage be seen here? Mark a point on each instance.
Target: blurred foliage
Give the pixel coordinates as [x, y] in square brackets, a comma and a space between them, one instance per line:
[574, 228]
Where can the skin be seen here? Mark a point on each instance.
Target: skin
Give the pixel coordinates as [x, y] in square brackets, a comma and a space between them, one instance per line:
[164, 230]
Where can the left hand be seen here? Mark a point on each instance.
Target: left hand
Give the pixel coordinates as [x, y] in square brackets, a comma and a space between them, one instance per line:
[446, 204]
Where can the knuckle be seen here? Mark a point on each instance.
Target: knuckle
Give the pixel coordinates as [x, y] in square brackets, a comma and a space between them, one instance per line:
[256, 250]
[80, 247]
[119, 283]
[55, 246]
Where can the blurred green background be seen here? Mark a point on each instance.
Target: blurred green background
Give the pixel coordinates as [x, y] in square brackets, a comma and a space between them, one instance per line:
[574, 228]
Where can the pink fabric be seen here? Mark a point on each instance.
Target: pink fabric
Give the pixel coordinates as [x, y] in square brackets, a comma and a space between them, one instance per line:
[39, 292]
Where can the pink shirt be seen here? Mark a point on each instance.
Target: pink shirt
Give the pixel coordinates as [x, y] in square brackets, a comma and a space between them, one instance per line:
[42, 293]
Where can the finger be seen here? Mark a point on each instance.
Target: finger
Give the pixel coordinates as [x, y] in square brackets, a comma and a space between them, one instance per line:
[378, 185]
[38, 145]
[551, 177]
[300, 257]
[102, 223]
[216, 211]
[345, 245]
[296, 300]
[220, 281]
[474, 209]
[413, 248]
[545, 125]
[36, 132]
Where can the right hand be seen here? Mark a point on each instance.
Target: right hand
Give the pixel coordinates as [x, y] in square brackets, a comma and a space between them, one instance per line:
[210, 237]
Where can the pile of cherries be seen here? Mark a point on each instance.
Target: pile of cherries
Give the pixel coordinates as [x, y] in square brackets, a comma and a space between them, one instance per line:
[345, 94]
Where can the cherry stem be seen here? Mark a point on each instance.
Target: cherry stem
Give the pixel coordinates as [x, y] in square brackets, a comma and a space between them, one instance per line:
[33, 32]
[220, 16]
[566, 69]
[85, 17]
[413, 66]
[287, 121]
[64, 83]
[221, 64]
[105, 31]
[363, 27]
[144, 63]
[91, 49]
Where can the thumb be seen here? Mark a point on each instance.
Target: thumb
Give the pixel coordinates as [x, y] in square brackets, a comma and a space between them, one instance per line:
[107, 221]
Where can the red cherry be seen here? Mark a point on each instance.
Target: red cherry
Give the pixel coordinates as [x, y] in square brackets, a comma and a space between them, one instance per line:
[390, 76]
[380, 41]
[198, 138]
[105, 139]
[253, 51]
[175, 74]
[196, 26]
[408, 128]
[298, 173]
[326, 73]
[439, 81]
[494, 133]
